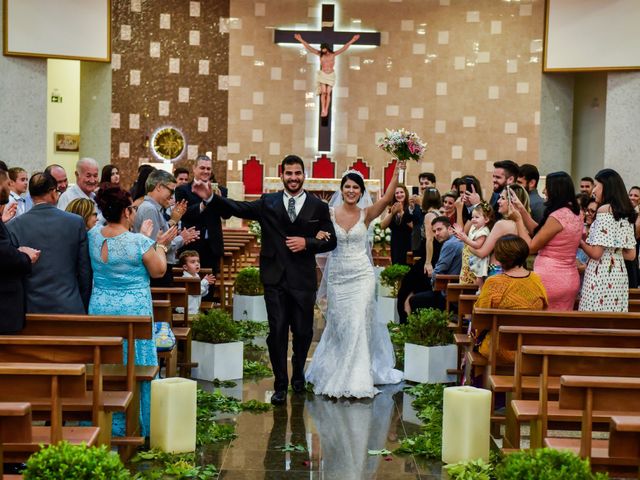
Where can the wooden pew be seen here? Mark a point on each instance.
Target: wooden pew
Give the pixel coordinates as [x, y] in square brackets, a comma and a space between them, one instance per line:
[54, 381]
[84, 350]
[491, 319]
[15, 425]
[619, 397]
[115, 377]
[554, 361]
[634, 294]
[441, 282]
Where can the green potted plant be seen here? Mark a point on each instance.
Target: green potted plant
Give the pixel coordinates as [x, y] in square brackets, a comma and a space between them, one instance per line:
[64, 461]
[390, 279]
[248, 296]
[216, 346]
[429, 350]
[545, 464]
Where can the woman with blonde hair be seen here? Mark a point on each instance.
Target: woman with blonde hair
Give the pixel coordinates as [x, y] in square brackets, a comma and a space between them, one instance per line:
[86, 209]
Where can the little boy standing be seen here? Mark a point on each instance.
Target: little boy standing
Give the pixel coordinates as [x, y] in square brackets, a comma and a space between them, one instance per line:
[190, 261]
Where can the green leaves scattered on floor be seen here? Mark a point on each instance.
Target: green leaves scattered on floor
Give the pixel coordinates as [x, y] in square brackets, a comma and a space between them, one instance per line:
[256, 369]
[377, 453]
[290, 447]
[155, 464]
[223, 383]
[210, 432]
[256, 406]
[475, 470]
[250, 329]
[428, 404]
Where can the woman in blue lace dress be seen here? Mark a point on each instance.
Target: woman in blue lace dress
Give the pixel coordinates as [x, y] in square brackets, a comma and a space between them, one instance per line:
[122, 263]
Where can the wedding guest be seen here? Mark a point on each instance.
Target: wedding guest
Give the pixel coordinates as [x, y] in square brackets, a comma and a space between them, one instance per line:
[110, 174]
[160, 186]
[586, 185]
[59, 173]
[505, 172]
[399, 220]
[139, 188]
[15, 265]
[475, 268]
[122, 263]
[556, 240]
[449, 205]
[589, 216]
[470, 192]
[431, 204]
[182, 175]
[190, 262]
[528, 177]
[611, 241]
[425, 180]
[86, 183]
[61, 280]
[86, 209]
[449, 263]
[516, 288]
[18, 186]
[633, 267]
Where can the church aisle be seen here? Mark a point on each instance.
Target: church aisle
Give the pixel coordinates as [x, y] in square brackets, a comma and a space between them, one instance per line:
[319, 438]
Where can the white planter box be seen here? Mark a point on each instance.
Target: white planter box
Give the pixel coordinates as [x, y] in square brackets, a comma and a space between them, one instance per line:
[387, 311]
[249, 307]
[217, 360]
[429, 364]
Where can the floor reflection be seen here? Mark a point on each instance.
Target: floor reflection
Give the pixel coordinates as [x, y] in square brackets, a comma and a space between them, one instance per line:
[336, 436]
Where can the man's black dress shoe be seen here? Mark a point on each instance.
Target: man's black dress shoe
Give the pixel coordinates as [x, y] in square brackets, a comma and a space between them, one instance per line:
[298, 386]
[279, 397]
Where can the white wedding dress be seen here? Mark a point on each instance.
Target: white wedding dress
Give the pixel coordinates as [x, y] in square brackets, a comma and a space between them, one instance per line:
[355, 351]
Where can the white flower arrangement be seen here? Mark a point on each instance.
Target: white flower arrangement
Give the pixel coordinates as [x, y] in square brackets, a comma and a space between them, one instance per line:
[256, 229]
[403, 144]
[381, 237]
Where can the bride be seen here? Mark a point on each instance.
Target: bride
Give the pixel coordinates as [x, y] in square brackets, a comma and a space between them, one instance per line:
[355, 351]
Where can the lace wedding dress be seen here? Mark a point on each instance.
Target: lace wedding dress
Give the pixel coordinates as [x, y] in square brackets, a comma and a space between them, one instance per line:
[355, 351]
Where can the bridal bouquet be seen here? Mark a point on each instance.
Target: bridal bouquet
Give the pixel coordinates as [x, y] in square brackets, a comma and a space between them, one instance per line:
[403, 145]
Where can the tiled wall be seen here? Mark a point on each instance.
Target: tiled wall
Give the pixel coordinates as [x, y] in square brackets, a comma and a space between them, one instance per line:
[167, 58]
[464, 74]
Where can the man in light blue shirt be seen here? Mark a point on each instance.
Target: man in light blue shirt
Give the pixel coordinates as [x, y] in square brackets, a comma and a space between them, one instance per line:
[160, 187]
[449, 263]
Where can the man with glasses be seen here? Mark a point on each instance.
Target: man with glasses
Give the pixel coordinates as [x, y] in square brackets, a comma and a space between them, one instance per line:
[61, 280]
[160, 187]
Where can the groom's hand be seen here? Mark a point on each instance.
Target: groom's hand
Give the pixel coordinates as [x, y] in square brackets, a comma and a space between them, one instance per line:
[202, 189]
[296, 244]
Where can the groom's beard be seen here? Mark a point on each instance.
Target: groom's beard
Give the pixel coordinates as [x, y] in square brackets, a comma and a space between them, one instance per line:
[293, 186]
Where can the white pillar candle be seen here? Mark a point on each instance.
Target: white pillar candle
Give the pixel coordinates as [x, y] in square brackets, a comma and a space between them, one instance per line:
[173, 415]
[465, 424]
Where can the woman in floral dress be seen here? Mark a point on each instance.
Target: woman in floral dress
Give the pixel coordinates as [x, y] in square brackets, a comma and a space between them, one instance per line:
[611, 241]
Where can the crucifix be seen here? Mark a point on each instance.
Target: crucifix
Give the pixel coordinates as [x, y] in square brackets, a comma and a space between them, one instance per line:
[327, 35]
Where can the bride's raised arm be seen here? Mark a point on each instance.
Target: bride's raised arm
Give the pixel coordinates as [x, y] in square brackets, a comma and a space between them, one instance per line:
[375, 210]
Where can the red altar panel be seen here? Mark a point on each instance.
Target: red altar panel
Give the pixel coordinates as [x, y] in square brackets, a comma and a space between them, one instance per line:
[323, 167]
[388, 174]
[252, 176]
[361, 166]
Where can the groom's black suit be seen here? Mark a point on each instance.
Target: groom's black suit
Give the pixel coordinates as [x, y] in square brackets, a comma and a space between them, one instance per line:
[289, 278]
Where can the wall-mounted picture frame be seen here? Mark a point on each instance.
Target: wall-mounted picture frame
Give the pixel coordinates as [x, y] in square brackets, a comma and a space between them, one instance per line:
[66, 142]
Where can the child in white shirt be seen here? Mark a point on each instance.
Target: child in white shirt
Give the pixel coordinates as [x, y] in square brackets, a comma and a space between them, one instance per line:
[190, 261]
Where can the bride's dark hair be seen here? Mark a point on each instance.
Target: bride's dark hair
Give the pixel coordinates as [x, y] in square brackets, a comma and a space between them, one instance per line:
[354, 177]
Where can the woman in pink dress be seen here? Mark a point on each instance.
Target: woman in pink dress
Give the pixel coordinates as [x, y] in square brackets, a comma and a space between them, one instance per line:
[556, 240]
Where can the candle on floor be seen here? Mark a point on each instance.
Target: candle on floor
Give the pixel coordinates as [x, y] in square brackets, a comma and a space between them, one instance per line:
[173, 415]
[465, 424]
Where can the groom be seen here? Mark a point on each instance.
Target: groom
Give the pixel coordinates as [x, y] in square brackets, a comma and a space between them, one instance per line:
[290, 221]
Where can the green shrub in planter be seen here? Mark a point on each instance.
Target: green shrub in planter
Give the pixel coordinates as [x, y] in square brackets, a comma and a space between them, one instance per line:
[428, 327]
[248, 282]
[545, 464]
[65, 461]
[392, 276]
[215, 326]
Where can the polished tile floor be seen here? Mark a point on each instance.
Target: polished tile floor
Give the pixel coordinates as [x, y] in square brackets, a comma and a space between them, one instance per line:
[335, 436]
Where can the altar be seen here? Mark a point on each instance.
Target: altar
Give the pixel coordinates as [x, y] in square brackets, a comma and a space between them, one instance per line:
[322, 187]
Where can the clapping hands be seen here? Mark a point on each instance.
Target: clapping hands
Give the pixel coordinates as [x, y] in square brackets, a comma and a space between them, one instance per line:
[9, 212]
[458, 231]
[211, 279]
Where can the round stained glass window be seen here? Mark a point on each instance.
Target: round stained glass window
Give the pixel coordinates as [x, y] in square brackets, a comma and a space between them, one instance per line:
[168, 143]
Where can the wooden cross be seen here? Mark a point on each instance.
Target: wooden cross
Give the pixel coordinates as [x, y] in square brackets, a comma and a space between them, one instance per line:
[329, 36]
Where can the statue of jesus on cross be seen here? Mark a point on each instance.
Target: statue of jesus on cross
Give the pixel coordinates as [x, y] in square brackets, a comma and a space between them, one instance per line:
[326, 75]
